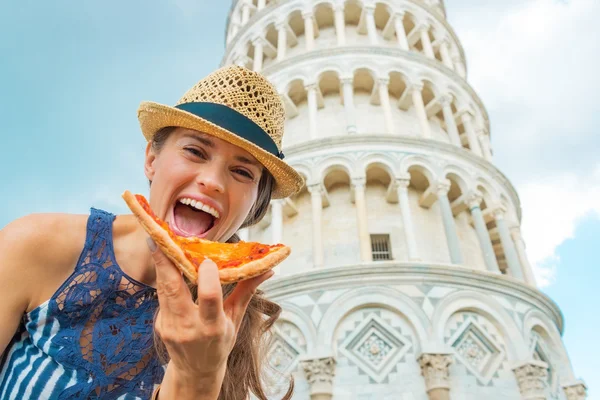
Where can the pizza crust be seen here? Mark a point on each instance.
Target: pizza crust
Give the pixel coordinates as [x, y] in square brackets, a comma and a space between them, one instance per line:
[172, 250]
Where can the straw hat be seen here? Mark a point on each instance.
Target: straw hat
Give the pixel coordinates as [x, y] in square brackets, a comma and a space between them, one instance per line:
[236, 105]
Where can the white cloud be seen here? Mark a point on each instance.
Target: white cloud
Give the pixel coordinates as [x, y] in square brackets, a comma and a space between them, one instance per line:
[535, 64]
[551, 210]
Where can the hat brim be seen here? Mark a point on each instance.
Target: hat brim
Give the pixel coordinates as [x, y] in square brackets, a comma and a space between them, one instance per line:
[154, 116]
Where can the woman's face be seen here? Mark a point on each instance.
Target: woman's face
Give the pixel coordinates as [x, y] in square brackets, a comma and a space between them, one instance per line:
[201, 185]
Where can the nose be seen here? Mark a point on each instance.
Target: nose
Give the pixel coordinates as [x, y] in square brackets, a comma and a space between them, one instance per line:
[212, 177]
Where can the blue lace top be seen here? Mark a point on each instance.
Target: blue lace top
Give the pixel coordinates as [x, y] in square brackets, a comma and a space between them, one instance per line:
[93, 339]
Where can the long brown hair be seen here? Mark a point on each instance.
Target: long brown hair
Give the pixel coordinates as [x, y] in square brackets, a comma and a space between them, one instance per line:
[246, 360]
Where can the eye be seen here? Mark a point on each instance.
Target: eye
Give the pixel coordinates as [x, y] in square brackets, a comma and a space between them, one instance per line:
[195, 152]
[243, 173]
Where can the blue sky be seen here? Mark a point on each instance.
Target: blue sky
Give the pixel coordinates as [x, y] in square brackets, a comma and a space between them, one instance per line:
[72, 75]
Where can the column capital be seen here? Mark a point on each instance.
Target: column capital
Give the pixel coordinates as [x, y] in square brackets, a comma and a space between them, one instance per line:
[473, 199]
[434, 368]
[281, 24]
[515, 232]
[531, 376]
[445, 99]
[423, 26]
[415, 85]
[359, 182]
[307, 14]
[315, 188]
[576, 391]
[442, 187]
[319, 370]
[465, 114]
[346, 79]
[383, 81]
[257, 40]
[337, 7]
[310, 85]
[399, 14]
[499, 212]
[369, 8]
[403, 180]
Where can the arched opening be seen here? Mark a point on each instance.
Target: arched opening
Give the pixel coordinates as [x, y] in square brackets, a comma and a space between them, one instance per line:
[329, 121]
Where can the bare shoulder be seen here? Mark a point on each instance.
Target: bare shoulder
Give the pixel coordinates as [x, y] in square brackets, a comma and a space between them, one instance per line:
[38, 250]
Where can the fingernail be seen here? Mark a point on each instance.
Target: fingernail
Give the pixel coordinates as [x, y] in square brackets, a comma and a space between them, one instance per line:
[151, 244]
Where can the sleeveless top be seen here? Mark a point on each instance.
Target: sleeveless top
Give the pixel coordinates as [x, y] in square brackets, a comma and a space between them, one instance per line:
[93, 339]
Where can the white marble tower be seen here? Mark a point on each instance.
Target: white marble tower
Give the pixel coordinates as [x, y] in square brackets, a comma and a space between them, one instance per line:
[408, 277]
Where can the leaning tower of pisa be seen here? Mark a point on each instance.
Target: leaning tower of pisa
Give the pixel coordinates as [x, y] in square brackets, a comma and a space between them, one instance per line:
[408, 277]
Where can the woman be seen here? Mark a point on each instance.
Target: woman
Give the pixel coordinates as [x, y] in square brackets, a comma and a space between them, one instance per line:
[85, 319]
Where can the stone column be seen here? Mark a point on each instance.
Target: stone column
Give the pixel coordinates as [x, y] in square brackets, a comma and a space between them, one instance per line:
[459, 67]
[258, 54]
[277, 220]
[467, 120]
[426, 41]
[441, 190]
[319, 373]
[309, 30]
[445, 101]
[434, 368]
[531, 377]
[348, 94]
[484, 141]
[576, 391]
[473, 201]
[245, 12]
[403, 182]
[340, 24]
[445, 53]
[316, 200]
[400, 32]
[261, 4]
[384, 99]
[371, 27]
[361, 218]
[417, 99]
[515, 232]
[311, 93]
[507, 244]
[281, 40]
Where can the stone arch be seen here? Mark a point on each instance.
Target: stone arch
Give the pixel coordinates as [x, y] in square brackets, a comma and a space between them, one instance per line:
[352, 11]
[488, 191]
[460, 182]
[535, 320]
[332, 164]
[383, 161]
[383, 297]
[420, 163]
[328, 79]
[488, 307]
[293, 314]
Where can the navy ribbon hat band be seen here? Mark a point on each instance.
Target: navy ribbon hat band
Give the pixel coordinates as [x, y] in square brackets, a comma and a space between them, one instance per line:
[235, 122]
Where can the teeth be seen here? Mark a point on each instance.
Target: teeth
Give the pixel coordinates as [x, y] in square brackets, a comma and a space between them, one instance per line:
[200, 206]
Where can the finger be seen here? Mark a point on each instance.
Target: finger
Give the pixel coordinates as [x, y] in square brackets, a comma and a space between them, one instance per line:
[237, 303]
[210, 293]
[173, 294]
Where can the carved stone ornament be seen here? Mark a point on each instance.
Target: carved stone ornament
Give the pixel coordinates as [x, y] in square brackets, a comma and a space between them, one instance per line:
[532, 377]
[319, 370]
[577, 391]
[434, 368]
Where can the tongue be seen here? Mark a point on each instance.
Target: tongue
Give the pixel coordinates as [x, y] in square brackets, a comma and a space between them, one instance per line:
[190, 221]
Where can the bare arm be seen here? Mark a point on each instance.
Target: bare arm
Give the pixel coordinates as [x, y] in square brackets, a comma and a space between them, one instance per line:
[36, 252]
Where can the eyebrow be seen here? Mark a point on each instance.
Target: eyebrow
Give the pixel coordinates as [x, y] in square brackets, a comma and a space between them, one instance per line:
[209, 143]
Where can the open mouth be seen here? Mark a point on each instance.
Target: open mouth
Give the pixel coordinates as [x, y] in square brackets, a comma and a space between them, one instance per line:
[193, 218]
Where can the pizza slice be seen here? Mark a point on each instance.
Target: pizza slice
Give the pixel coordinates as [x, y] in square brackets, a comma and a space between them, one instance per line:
[236, 261]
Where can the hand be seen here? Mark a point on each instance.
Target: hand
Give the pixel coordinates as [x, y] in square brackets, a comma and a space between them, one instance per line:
[198, 336]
